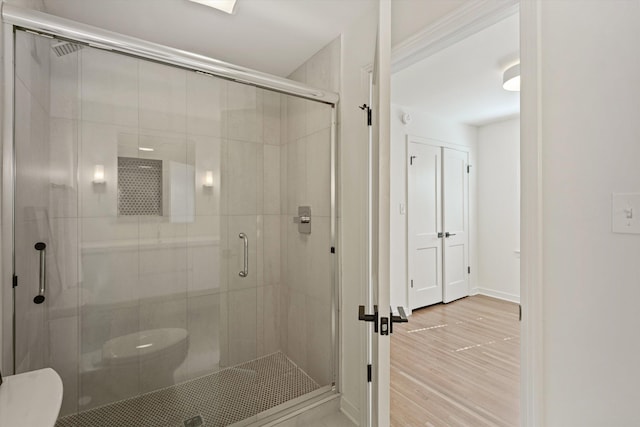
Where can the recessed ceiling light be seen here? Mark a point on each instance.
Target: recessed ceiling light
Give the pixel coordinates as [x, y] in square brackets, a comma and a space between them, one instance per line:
[223, 5]
[145, 149]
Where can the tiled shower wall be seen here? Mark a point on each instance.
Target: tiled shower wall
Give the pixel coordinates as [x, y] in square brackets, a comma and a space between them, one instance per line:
[112, 275]
[305, 295]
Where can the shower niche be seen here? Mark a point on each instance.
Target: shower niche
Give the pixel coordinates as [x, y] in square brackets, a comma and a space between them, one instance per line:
[140, 177]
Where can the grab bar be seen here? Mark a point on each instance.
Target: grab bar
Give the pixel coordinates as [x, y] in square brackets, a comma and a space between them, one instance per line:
[245, 270]
[42, 286]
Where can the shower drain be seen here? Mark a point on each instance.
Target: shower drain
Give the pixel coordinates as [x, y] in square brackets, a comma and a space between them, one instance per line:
[194, 421]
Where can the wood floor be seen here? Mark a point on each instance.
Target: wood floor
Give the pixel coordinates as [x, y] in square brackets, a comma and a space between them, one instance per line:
[457, 364]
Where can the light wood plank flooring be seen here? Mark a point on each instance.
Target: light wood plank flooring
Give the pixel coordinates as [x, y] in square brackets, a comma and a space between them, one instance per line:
[457, 364]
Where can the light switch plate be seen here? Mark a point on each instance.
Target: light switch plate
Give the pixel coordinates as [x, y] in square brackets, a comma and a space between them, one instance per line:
[625, 213]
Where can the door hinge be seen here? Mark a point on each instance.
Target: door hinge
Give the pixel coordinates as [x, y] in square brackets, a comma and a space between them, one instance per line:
[333, 250]
[412, 283]
[369, 115]
[411, 160]
[468, 168]
[15, 281]
[369, 373]
[468, 270]
[519, 313]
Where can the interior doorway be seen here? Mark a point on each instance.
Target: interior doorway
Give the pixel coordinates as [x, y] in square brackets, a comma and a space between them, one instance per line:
[451, 114]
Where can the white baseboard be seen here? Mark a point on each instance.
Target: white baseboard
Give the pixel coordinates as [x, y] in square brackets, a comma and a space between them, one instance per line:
[350, 411]
[496, 294]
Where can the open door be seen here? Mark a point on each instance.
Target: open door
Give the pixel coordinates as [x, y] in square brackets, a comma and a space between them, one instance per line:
[379, 313]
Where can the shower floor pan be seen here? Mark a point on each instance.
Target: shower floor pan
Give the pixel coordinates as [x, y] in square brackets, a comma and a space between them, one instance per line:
[219, 399]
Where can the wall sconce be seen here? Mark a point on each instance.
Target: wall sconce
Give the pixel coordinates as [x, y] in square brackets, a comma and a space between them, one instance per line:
[208, 179]
[98, 174]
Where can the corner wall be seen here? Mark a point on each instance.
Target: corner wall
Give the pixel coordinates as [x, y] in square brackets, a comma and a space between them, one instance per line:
[498, 173]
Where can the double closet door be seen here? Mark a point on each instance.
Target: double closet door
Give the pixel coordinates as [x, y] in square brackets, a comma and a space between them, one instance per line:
[438, 224]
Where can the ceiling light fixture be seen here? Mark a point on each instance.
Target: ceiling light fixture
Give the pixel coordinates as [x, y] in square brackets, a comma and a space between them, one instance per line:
[145, 149]
[511, 78]
[223, 5]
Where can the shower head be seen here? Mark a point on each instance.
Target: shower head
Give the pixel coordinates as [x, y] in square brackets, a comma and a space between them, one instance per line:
[65, 48]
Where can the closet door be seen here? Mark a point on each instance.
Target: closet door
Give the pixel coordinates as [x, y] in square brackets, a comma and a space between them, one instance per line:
[455, 188]
[424, 224]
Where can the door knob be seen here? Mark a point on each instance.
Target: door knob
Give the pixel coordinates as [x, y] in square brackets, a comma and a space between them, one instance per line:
[447, 234]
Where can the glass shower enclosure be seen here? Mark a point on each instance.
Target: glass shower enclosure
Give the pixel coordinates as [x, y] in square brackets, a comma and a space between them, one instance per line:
[173, 239]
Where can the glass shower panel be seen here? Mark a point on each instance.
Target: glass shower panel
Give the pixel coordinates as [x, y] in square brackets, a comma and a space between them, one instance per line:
[306, 286]
[175, 270]
[46, 215]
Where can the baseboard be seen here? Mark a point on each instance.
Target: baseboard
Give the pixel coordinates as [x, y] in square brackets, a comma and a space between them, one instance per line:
[350, 411]
[496, 294]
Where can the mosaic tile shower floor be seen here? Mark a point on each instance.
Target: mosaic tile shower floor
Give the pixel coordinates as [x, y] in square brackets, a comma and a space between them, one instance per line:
[221, 398]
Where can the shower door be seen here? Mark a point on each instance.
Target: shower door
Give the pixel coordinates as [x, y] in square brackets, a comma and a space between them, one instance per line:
[157, 239]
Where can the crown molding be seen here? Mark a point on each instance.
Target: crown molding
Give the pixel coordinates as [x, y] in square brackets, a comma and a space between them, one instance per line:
[473, 16]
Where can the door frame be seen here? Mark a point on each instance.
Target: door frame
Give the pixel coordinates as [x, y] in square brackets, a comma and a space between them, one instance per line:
[470, 18]
[409, 138]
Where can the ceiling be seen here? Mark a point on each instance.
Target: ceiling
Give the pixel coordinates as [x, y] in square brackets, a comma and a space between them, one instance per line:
[463, 83]
[273, 36]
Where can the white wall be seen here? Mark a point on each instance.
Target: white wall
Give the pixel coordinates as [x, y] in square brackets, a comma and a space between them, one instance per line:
[590, 132]
[498, 172]
[441, 131]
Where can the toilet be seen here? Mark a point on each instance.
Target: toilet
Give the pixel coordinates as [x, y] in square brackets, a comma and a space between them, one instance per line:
[148, 357]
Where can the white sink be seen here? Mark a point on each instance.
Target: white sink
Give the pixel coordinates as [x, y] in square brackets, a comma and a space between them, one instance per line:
[31, 399]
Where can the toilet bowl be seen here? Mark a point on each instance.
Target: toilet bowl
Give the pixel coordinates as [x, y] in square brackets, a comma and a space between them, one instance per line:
[132, 364]
[145, 346]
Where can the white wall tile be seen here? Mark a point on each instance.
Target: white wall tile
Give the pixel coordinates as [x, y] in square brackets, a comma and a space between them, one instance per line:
[109, 85]
[243, 113]
[296, 175]
[271, 180]
[241, 178]
[242, 325]
[296, 118]
[318, 261]
[206, 102]
[297, 329]
[271, 117]
[271, 249]
[65, 86]
[318, 341]
[63, 168]
[318, 172]
[163, 97]
[203, 325]
[63, 358]
[205, 252]
[109, 260]
[270, 319]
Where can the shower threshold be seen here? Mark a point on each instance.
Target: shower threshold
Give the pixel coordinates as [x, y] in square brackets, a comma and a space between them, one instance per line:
[220, 399]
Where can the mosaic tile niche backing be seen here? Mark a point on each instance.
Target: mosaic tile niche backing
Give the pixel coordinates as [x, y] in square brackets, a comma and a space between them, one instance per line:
[139, 186]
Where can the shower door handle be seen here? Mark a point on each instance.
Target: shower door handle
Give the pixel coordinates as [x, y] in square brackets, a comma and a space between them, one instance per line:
[245, 270]
[42, 281]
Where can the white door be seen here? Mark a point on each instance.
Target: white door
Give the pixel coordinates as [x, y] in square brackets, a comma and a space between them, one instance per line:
[379, 409]
[424, 216]
[455, 188]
